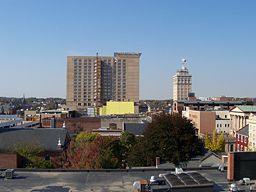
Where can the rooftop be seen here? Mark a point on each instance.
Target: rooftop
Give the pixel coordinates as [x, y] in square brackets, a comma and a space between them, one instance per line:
[244, 130]
[47, 138]
[101, 180]
[247, 108]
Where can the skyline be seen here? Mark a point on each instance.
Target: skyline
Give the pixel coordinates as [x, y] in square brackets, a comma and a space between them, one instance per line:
[216, 37]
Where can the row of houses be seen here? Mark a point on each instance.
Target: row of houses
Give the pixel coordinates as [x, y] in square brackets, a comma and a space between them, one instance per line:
[237, 123]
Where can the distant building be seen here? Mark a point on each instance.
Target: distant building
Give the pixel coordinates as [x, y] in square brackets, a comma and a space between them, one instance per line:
[93, 80]
[252, 132]
[51, 141]
[182, 83]
[208, 121]
[242, 138]
[239, 116]
[7, 121]
[179, 106]
[222, 121]
[119, 121]
[118, 108]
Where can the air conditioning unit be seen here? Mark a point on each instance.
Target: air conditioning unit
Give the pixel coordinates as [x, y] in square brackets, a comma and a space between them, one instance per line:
[9, 173]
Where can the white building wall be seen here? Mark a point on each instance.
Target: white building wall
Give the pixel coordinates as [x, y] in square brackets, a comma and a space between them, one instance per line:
[252, 132]
[223, 122]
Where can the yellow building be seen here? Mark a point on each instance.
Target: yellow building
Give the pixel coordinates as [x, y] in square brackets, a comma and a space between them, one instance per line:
[118, 108]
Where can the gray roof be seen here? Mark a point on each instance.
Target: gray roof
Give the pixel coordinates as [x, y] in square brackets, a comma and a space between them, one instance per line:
[46, 138]
[135, 128]
[244, 130]
[189, 164]
[208, 154]
[94, 180]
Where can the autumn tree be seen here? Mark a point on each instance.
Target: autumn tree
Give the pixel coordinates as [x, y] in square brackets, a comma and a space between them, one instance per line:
[100, 152]
[215, 142]
[83, 155]
[86, 137]
[170, 137]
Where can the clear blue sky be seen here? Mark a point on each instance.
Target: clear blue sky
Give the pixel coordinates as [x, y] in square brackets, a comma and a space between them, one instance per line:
[217, 37]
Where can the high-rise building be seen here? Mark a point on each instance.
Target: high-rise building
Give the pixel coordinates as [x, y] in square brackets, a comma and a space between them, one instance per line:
[93, 80]
[182, 83]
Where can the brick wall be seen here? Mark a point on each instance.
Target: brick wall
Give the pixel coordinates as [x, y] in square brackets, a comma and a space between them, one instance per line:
[9, 160]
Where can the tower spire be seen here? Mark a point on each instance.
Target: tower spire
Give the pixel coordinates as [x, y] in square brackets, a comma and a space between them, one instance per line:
[183, 64]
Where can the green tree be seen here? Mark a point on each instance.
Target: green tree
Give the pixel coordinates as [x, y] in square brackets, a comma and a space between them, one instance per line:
[170, 137]
[86, 137]
[110, 152]
[33, 155]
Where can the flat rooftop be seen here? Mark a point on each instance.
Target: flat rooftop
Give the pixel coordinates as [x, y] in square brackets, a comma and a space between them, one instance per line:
[103, 180]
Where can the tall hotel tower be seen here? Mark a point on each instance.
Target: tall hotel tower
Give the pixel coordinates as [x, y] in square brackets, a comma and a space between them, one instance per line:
[93, 80]
[182, 83]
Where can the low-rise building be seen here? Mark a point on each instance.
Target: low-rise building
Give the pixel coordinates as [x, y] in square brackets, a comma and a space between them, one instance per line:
[118, 108]
[51, 141]
[208, 121]
[242, 138]
[179, 106]
[239, 116]
[252, 132]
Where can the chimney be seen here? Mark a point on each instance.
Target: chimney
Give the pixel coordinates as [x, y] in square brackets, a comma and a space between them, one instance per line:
[157, 161]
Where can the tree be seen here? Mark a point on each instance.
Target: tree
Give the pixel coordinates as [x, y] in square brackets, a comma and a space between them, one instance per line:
[110, 152]
[86, 136]
[216, 143]
[207, 142]
[100, 152]
[83, 155]
[127, 141]
[221, 142]
[33, 156]
[170, 137]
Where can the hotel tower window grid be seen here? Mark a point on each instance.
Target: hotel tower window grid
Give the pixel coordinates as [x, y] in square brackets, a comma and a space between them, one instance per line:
[93, 80]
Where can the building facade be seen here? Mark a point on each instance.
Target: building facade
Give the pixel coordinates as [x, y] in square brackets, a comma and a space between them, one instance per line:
[182, 83]
[118, 108]
[252, 132]
[239, 117]
[208, 121]
[223, 122]
[93, 80]
[242, 139]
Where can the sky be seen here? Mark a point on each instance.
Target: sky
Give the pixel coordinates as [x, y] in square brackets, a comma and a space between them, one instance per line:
[218, 39]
